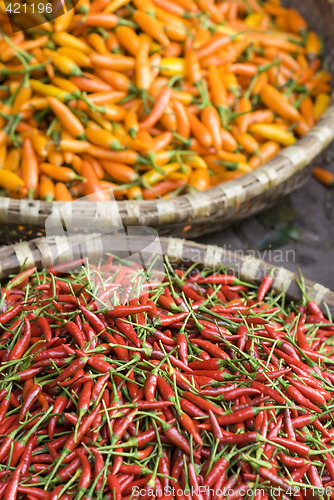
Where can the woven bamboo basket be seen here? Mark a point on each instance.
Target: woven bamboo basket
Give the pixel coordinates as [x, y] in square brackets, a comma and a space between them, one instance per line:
[195, 214]
[184, 253]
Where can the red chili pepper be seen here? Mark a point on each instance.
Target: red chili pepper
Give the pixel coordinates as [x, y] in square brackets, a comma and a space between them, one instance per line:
[197, 495]
[244, 438]
[273, 479]
[86, 474]
[75, 332]
[84, 399]
[76, 365]
[189, 426]
[314, 309]
[98, 466]
[99, 386]
[210, 348]
[308, 392]
[22, 344]
[216, 279]
[268, 391]
[177, 438]
[264, 287]
[293, 462]
[123, 311]
[299, 448]
[93, 319]
[298, 397]
[59, 269]
[10, 314]
[45, 327]
[32, 396]
[128, 331]
[299, 473]
[271, 375]
[114, 487]
[11, 490]
[26, 456]
[219, 468]
[121, 425]
[203, 404]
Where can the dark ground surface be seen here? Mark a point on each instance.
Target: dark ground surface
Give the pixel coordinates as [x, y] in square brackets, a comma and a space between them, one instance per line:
[296, 234]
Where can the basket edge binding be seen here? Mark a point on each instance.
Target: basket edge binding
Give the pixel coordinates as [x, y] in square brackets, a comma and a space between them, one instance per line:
[20, 256]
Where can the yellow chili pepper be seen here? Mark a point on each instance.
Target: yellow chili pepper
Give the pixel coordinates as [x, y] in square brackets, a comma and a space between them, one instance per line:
[135, 193]
[102, 138]
[64, 84]
[13, 160]
[3, 155]
[22, 97]
[254, 19]
[195, 161]
[63, 22]
[74, 146]
[153, 176]
[78, 57]
[185, 97]
[11, 181]
[178, 176]
[67, 40]
[35, 103]
[171, 66]
[313, 44]
[63, 63]
[50, 90]
[274, 133]
[100, 119]
[322, 101]
[115, 5]
[40, 144]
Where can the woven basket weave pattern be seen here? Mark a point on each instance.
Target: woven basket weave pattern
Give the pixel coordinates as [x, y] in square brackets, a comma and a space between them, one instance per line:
[180, 252]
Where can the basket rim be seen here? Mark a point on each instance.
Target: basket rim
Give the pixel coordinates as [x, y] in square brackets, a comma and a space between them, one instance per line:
[37, 253]
[268, 177]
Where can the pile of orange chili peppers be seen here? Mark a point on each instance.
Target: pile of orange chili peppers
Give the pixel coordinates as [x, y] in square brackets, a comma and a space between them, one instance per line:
[153, 98]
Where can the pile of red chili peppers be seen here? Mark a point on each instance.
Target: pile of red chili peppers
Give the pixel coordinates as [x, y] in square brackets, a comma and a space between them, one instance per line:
[201, 386]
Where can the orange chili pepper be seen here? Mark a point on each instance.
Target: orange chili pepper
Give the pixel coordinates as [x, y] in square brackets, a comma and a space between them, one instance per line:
[119, 171]
[66, 118]
[199, 130]
[276, 101]
[151, 27]
[158, 109]
[46, 189]
[324, 176]
[211, 120]
[29, 167]
[63, 174]
[62, 193]
[266, 152]
[200, 180]
[92, 185]
[183, 125]
[193, 68]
